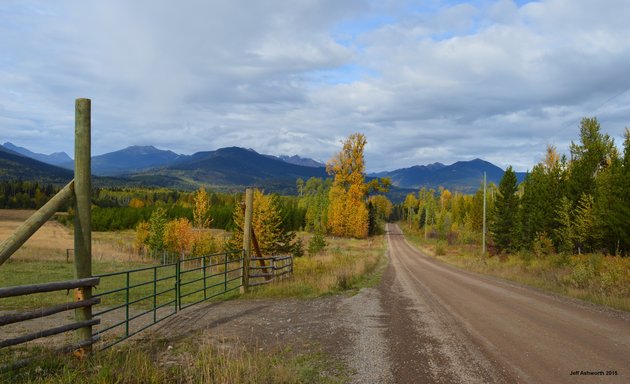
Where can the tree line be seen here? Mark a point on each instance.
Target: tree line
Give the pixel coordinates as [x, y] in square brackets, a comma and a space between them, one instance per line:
[579, 204]
[18, 194]
[574, 204]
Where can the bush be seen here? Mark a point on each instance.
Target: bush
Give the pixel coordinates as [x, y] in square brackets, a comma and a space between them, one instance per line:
[440, 248]
[316, 244]
[543, 246]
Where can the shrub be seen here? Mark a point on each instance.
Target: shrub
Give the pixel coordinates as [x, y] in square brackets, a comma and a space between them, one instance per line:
[542, 245]
[316, 244]
[440, 249]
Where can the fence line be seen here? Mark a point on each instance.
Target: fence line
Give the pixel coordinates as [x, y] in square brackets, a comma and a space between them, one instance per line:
[280, 266]
[24, 290]
[140, 298]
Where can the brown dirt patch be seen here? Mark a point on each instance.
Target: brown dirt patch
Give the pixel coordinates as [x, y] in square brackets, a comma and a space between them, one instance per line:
[264, 324]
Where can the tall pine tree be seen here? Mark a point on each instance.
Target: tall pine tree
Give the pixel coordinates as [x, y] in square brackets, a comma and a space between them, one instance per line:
[503, 227]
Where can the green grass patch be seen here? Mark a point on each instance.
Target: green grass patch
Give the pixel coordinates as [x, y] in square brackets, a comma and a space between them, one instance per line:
[188, 361]
[197, 283]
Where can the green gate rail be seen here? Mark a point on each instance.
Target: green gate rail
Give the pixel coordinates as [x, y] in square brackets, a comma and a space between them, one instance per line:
[202, 278]
[140, 298]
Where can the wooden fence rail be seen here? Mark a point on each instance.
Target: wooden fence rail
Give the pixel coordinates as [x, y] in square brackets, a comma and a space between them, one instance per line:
[280, 266]
[23, 290]
[34, 222]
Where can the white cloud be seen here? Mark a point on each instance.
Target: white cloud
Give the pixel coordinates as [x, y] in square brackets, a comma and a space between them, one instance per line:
[426, 81]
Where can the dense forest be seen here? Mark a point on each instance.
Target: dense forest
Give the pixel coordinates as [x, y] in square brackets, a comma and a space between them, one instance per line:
[25, 194]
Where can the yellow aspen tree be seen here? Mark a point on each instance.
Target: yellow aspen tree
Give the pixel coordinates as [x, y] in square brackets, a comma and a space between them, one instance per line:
[347, 211]
[142, 235]
[201, 210]
[178, 236]
[445, 199]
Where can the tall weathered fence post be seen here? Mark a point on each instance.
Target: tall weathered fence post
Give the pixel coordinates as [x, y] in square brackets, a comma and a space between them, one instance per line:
[247, 237]
[82, 212]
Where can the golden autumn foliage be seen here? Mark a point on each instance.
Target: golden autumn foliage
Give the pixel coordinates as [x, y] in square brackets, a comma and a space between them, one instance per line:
[136, 203]
[201, 210]
[142, 235]
[178, 236]
[382, 205]
[347, 210]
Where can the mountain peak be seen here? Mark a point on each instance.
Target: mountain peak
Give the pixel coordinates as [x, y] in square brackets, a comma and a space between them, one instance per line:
[464, 176]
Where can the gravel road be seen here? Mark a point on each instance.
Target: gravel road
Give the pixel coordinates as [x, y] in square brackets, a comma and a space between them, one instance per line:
[444, 325]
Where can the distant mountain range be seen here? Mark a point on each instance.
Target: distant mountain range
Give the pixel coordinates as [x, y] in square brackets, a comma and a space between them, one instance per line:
[130, 160]
[230, 168]
[16, 166]
[57, 158]
[463, 176]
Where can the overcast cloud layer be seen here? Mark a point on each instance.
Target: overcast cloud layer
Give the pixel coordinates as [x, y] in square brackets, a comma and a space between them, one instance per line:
[425, 81]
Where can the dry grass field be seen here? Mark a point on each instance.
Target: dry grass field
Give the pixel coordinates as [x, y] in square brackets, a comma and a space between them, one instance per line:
[54, 241]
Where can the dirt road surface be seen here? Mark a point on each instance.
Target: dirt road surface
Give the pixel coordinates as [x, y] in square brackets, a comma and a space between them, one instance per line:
[444, 325]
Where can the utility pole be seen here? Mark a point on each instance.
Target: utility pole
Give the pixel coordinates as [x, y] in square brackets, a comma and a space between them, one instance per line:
[426, 220]
[483, 237]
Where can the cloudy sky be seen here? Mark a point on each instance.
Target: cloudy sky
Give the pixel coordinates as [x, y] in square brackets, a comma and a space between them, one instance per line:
[425, 81]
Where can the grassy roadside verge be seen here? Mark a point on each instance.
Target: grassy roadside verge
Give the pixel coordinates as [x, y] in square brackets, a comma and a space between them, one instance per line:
[594, 277]
[189, 361]
[346, 266]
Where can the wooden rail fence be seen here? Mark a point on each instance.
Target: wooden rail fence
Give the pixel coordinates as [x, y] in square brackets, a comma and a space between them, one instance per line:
[13, 318]
[265, 274]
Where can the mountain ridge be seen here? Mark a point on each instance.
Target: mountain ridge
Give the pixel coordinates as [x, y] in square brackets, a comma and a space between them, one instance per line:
[231, 168]
[463, 176]
[56, 158]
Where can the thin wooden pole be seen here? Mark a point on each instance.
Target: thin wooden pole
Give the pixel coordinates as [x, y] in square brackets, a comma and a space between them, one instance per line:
[247, 237]
[483, 237]
[83, 214]
[34, 222]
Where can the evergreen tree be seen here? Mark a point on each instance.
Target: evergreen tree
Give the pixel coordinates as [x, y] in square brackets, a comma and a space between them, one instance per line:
[585, 224]
[564, 233]
[542, 191]
[588, 158]
[316, 244]
[505, 212]
[612, 202]
[157, 223]
[372, 219]
[267, 225]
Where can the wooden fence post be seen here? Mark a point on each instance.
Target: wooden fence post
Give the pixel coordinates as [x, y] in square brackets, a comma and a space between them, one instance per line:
[83, 214]
[247, 237]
